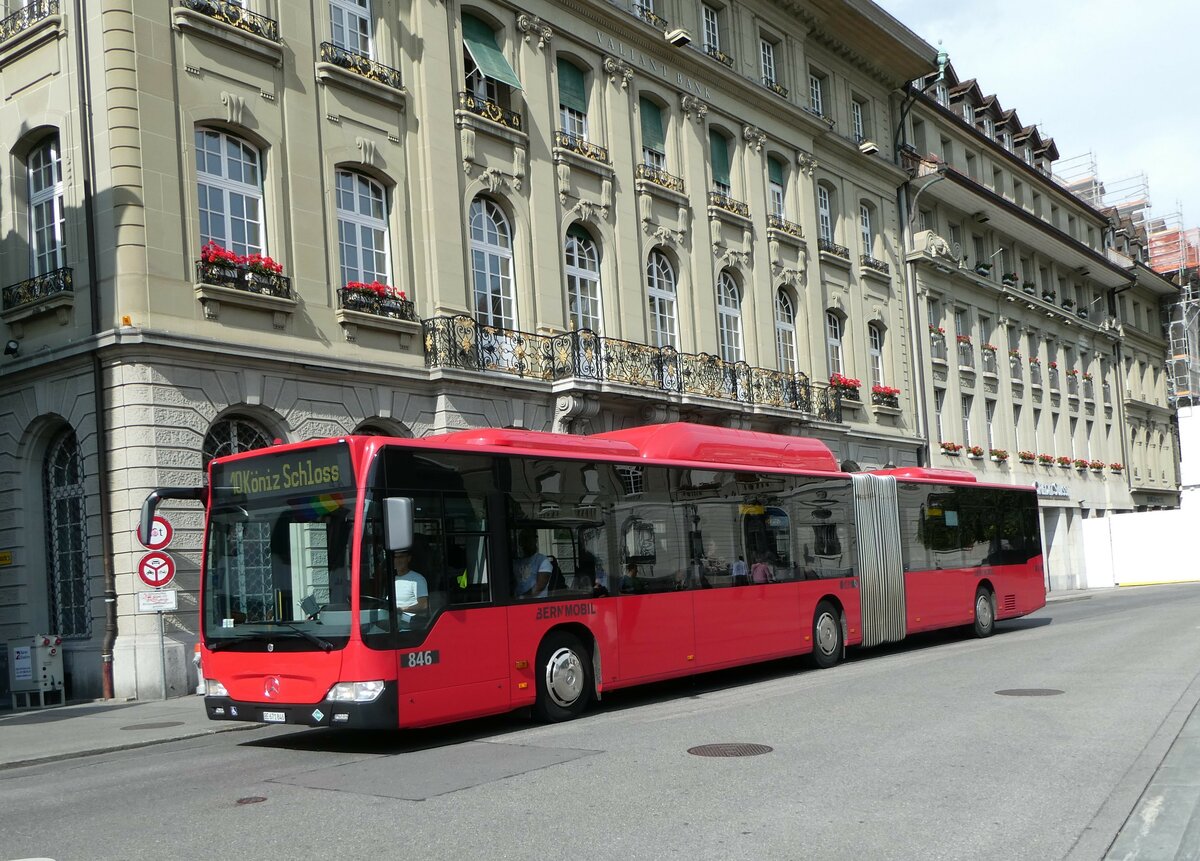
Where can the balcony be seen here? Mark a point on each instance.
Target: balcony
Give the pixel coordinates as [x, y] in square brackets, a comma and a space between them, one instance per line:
[648, 15]
[937, 348]
[361, 65]
[828, 246]
[1014, 367]
[26, 17]
[871, 264]
[391, 307]
[1106, 391]
[1053, 376]
[1089, 390]
[719, 55]
[791, 228]
[989, 363]
[775, 87]
[1035, 375]
[463, 343]
[659, 177]
[491, 111]
[1072, 385]
[52, 291]
[218, 283]
[580, 146]
[725, 203]
[966, 356]
[235, 15]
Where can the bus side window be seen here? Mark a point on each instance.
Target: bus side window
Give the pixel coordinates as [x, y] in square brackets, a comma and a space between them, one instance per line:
[467, 569]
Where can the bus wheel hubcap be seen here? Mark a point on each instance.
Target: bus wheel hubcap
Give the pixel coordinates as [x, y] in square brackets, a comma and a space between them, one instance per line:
[983, 611]
[827, 634]
[564, 677]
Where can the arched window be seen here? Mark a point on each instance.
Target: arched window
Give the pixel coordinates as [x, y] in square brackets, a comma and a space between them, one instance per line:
[66, 538]
[729, 317]
[833, 343]
[660, 288]
[231, 436]
[825, 213]
[229, 189]
[362, 228]
[775, 187]
[875, 340]
[785, 332]
[865, 229]
[583, 279]
[350, 22]
[46, 219]
[491, 265]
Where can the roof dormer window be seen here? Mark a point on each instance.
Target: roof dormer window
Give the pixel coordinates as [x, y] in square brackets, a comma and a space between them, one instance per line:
[968, 113]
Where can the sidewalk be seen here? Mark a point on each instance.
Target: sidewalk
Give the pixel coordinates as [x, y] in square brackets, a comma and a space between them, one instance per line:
[32, 736]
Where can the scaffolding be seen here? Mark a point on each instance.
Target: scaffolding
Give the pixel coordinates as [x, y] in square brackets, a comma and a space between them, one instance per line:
[1175, 254]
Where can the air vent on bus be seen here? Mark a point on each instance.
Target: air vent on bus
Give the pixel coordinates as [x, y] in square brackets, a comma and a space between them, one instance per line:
[1010, 604]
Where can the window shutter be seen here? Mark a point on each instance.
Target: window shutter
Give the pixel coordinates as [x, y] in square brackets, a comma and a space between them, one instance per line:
[480, 41]
[718, 149]
[775, 171]
[652, 129]
[572, 92]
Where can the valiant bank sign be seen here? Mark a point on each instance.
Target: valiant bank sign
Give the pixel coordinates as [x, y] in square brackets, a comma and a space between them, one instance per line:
[657, 67]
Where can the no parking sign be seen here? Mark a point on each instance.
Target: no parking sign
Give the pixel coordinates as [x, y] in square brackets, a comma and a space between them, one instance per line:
[156, 568]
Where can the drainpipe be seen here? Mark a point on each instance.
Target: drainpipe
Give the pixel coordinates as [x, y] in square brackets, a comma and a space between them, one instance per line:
[84, 83]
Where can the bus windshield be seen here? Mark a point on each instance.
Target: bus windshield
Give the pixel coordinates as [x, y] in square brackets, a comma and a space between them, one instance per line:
[277, 573]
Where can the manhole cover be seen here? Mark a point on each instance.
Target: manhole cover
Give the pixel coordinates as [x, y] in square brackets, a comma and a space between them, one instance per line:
[251, 799]
[732, 748]
[160, 725]
[1030, 692]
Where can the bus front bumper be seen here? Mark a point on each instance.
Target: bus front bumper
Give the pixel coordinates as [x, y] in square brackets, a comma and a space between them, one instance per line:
[382, 713]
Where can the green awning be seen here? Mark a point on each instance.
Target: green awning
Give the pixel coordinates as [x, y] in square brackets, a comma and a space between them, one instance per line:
[480, 40]
[652, 130]
[718, 149]
[572, 92]
[775, 171]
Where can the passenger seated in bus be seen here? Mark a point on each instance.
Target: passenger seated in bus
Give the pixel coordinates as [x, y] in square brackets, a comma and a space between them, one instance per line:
[531, 570]
[412, 591]
[760, 571]
[630, 581]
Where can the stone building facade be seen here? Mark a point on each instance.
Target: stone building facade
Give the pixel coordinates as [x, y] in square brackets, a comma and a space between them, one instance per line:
[227, 223]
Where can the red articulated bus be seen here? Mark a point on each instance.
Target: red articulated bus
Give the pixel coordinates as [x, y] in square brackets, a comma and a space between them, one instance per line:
[379, 582]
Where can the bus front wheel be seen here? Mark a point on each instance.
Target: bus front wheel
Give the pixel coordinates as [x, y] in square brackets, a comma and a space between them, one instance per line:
[564, 681]
[985, 612]
[827, 636]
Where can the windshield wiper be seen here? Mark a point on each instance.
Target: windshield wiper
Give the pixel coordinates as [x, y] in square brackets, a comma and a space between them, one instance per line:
[324, 645]
[225, 642]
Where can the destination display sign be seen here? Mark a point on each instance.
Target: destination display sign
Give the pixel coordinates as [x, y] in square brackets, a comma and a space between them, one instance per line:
[307, 472]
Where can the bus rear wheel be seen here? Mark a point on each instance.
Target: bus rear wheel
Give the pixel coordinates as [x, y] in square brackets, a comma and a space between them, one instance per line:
[985, 612]
[564, 680]
[827, 636]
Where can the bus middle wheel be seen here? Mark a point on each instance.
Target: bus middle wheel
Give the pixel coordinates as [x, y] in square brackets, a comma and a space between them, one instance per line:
[564, 678]
[827, 636]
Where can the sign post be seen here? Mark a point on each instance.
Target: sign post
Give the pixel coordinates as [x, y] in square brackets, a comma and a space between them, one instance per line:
[159, 601]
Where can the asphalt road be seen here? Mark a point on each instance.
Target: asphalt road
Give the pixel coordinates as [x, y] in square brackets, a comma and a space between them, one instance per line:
[934, 749]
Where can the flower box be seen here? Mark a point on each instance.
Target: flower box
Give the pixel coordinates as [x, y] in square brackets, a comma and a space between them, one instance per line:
[975, 452]
[1045, 459]
[847, 387]
[1063, 461]
[998, 455]
[951, 449]
[1026, 456]
[1030, 288]
[1048, 295]
[1116, 467]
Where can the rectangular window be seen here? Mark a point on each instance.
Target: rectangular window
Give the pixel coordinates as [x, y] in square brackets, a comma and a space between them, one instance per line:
[972, 168]
[653, 141]
[766, 59]
[816, 93]
[350, 22]
[46, 212]
[989, 411]
[1016, 434]
[968, 113]
[718, 148]
[939, 402]
[966, 420]
[947, 150]
[875, 334]
[775, 187]
[572, 100]
[988, 128]
[858, 121]
[712, 28]
[864, 226]
[833, 343]
[1037, 428]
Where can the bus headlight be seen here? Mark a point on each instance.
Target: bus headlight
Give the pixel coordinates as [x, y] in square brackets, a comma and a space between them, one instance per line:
[213, 688]
[355, 692]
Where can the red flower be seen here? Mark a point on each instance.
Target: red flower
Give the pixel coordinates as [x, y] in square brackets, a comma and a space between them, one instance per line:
[840, 381]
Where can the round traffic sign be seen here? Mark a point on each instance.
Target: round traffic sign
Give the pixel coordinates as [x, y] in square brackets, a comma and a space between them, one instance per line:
[160, 534]
[156, 568]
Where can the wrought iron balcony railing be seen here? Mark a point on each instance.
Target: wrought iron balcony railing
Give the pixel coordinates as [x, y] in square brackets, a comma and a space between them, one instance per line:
[236, 15]
[831, 247]
[462, 342]
[26, 16]
[658, 176]
[648, 15]
[392, 307]
[718, 55]
[37, 288]
[361, 64]
[880, 399]
[724, 202]
[489, 110]
[874, 265]
[778, 222]
[244, 279]
[775, 87]
[580, 146]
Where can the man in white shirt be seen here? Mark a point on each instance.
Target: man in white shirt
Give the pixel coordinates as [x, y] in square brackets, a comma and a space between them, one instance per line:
[412, 592]
[739, 572]
[531, 571]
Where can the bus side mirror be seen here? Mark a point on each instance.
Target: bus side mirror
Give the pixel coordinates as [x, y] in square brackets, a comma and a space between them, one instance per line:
[398, 523]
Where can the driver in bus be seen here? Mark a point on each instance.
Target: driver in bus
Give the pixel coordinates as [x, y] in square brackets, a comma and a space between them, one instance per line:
[412, 591]
[532, 570]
